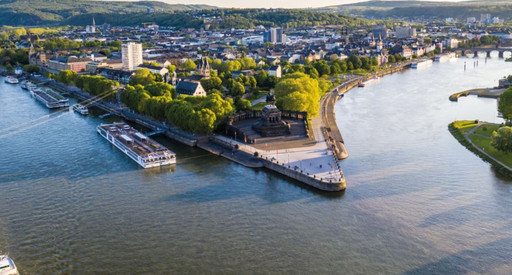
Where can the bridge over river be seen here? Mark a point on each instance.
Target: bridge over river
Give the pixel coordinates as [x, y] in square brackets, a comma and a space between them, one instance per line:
[479, 50]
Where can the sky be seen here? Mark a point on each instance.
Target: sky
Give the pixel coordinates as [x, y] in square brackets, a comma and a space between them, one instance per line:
[273, 3]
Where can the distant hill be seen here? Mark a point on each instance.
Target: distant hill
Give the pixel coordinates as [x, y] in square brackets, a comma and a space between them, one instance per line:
[117, 13]
[390, 9]
[39, 12]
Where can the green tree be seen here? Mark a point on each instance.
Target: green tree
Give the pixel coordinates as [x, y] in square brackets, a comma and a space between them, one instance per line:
[143, 77]
[375, 61]
[67, 77]
[356, 61]
[242, 104]
[31, 68]
[335, 68]
[188, 65]
[261, 78]
[502, 139]
[365, 63]
[171, 69]
[220, 107]
[237, 89]
[203, 121]
[298, 92]
[212, 83]
[505, 104]
[322, 67]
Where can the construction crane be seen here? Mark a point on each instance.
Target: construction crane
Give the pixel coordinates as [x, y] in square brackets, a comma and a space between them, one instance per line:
[146, 24]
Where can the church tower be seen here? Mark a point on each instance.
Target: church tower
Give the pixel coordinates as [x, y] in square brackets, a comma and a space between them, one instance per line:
[203, 68]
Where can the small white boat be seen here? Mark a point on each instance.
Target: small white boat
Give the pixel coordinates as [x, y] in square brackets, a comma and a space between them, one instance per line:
[369, 81]
[81, 109]
[11, 80]
[24, 85]
[445, 57]
[7, 266]
[422, 64]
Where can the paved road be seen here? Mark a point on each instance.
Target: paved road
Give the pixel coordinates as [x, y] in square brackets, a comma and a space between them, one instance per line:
[259, 100]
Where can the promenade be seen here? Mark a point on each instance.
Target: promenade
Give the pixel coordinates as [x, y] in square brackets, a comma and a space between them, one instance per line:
[317, 163]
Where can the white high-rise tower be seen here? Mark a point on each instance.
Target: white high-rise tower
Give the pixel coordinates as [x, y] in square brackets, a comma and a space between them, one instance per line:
[131, 56]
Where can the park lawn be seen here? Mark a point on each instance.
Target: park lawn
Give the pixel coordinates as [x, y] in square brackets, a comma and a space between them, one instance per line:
[485, 144]
[464, 125]
[259, 106]
[490, 128]
[257, 95]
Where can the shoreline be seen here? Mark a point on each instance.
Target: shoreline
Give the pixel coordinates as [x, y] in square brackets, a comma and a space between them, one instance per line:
[479, 92]
[250, 157]
[465, 141]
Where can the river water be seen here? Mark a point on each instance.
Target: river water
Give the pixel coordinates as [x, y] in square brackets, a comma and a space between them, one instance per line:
[416, 200]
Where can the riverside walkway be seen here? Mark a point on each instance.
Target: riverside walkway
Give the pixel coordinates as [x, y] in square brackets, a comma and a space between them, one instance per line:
[470, 132]
[317, 165]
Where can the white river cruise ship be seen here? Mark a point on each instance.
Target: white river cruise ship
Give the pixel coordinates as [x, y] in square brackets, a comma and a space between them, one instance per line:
[143, 150]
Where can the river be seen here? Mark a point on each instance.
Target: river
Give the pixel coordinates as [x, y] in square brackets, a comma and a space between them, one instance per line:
[416, 200]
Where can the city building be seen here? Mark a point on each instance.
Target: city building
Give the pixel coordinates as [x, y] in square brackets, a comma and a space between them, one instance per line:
[274, 35]
[73, 63]
[380, 31]
[94, 66]
[91, 28]
[164, 72]
[485, 18]
[191, 88]
[275, 71]
[203, 68]
[405, 32]
[131, 56]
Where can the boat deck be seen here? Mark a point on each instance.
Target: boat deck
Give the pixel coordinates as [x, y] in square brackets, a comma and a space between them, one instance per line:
[137, 142]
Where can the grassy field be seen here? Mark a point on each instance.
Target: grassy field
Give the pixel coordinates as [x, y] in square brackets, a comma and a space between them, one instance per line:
[252, 97]
[482, 139]
[487, 129]
[484, 143]
[464, 125]
[259, 106]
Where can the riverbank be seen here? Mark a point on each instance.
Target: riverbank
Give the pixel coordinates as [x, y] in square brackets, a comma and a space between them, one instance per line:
[476, 137]
[327, 103]
[326, 174]
[317, 166]
[483, 92]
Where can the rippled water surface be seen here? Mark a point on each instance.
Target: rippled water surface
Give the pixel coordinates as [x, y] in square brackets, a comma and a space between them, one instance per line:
[417, 201]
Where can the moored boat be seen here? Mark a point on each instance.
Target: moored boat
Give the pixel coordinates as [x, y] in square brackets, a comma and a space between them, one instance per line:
[445, 57]
[11, 80]
[140, 148]
[421, 64]
[369, 81]
[49, 98]
[81, 109]
[7, 266]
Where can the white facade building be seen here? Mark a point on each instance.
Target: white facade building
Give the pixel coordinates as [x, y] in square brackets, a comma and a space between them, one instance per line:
[131, 56]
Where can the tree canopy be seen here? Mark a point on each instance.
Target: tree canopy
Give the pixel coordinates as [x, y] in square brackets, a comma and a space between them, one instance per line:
[505, 104]
[298, 92]
[502, 139]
